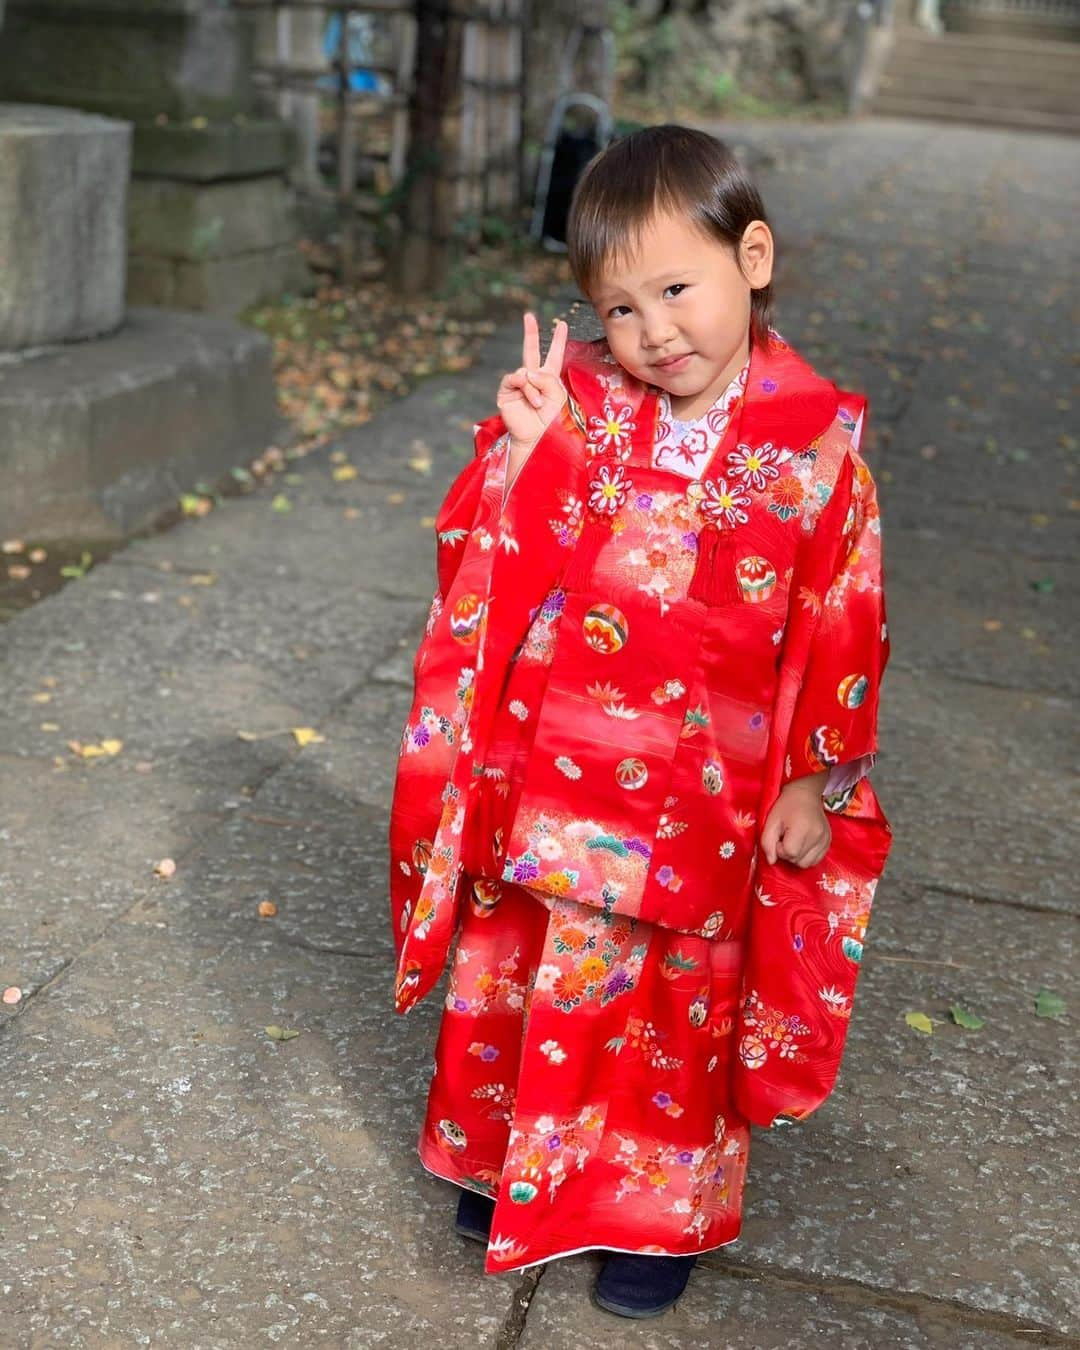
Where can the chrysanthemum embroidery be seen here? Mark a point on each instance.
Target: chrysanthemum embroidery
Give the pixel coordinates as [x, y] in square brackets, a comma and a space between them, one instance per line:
[566, 765]
[608, 489]
[612, 431]
[723, 504]
[754, 467]
[785, 497]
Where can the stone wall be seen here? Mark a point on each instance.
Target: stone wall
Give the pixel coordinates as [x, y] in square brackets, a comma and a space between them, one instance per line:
[790, 50]
[211, 224]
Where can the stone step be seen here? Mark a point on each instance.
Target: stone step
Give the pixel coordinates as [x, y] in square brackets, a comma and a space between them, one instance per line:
[1021, 73]
[963, 46]
[895, 105]
[969, 92]
[98, 438]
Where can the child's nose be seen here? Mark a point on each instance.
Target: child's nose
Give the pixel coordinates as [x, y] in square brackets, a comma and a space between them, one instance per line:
[657, 330]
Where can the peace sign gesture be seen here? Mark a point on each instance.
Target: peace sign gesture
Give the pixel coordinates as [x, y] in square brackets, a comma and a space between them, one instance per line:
[531, 397]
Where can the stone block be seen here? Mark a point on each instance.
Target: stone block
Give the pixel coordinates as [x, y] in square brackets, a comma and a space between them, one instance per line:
[197, 154]
[63, 189]
[197, 221]
[97, 439]
[134, 60]
[219, 285]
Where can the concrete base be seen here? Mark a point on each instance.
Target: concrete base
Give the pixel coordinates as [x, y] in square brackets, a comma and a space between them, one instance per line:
[98, 438]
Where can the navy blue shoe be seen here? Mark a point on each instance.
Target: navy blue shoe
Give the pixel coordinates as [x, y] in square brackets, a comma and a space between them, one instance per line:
[641, 1286]
[474, 1215]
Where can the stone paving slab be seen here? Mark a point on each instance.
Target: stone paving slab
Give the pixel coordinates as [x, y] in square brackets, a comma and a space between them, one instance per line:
[722, 1310]
[68, 869]
[940, 1165]
[963, 612]
[999, 815]
[164, 673]
[181, 1176]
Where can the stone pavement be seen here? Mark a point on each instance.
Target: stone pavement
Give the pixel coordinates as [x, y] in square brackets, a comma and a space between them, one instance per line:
[172, 1176]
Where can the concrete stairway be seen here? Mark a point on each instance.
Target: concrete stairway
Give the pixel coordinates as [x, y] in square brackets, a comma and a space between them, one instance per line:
[1000, 81]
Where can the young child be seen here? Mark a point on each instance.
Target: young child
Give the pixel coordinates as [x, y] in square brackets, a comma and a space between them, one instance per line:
[633, 782]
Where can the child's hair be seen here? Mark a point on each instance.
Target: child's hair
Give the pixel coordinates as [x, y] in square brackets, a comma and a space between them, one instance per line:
[667, 168]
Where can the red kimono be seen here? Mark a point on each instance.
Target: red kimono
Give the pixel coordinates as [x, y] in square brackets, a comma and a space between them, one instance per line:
[625, 660]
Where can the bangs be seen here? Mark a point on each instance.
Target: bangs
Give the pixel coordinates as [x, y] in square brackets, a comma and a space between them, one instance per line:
[663, 169]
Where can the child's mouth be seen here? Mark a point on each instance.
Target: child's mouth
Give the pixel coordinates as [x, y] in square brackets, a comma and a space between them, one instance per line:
[674, 364]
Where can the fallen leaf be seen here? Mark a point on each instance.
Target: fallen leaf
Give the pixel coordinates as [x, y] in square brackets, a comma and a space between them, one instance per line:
[190, 504]
[962, 1018]
[12, 546]
[280, 1034]
[1048, 1004]
[307, 736]
[12, 994]
[165, 868]
[281, 504]
[41, 698]
[94, 751]
[203, 579]
[427, 521]
[50, 726]
[18, 571]
[919, 1022]
[395, 498]
[345, 473]
[992, 625]
[267, 909]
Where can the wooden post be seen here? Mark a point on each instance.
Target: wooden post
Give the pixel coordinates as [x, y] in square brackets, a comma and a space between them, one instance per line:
[424, 250]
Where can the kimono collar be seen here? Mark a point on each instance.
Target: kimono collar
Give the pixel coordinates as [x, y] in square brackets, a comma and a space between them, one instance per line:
[786, 402]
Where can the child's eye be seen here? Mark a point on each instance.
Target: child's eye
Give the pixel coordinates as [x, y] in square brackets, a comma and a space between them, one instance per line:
[677, 287]
[613, 313]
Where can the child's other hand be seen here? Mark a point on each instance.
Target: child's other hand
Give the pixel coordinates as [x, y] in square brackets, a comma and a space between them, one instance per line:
[531, 397]
[797, 829]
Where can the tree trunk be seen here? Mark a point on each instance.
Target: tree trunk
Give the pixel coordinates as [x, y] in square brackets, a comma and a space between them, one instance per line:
[427, 216]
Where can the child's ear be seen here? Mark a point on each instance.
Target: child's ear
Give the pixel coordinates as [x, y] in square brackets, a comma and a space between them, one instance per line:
[756, 254]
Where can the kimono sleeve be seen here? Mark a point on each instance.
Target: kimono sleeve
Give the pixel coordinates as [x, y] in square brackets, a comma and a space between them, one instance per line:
[460, 507]
[834, 726]
[443, 677]
[808, 925]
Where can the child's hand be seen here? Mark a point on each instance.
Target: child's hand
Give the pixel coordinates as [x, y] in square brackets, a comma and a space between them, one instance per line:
[531, 397]
[797, 829]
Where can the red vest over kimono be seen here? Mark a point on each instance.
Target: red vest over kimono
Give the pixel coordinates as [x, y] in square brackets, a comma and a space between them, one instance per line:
[622, 667]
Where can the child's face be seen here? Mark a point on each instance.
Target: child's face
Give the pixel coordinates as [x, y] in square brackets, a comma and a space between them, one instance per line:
[676, 311]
